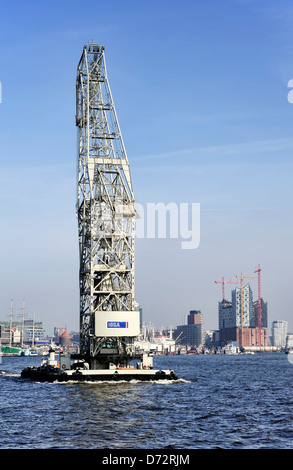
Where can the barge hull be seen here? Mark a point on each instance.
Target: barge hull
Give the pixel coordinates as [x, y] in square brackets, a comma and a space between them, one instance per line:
[40, 375]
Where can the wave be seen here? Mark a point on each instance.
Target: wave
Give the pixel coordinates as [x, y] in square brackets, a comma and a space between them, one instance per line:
[119, 382]
[4, 373]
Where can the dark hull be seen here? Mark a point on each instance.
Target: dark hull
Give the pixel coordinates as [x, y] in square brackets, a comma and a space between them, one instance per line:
[43, 375]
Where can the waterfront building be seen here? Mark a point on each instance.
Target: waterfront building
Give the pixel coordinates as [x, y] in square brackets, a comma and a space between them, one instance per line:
[279, 333]
[242, 328]
[139, 309]
[58, 331]
[248, 310]
[226, 315]
[212, 339]
[289, 342]
[264, 314]
[191, 334]
[65, 340]
[27, 332]
[245, 337]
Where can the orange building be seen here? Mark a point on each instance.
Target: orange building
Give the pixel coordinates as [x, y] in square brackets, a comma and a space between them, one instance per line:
[249, 336]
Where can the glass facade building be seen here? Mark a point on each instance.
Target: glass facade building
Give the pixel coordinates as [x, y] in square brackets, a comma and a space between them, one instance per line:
[279, 333]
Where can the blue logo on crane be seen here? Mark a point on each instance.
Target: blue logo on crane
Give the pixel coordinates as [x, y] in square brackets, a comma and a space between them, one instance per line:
[117, 324]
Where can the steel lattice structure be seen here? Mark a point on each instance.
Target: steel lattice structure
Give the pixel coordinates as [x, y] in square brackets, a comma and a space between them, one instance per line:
[106, 218]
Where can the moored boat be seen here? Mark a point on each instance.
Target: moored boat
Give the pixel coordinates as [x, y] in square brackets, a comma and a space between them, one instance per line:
[10, 351]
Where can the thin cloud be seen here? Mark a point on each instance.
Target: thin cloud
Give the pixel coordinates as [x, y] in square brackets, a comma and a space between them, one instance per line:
[247, 148]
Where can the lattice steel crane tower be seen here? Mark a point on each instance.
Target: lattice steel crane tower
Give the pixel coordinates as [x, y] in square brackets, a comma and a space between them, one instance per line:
[106, 216]
[106, 221]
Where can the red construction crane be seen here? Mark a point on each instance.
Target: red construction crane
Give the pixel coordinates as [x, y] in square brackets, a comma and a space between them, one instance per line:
[223, 282]
[258, 270]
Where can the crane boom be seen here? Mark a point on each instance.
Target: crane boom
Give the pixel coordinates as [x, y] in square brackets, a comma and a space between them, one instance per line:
[223, 282]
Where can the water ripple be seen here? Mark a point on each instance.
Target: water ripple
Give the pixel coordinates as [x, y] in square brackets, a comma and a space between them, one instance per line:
[220, 402]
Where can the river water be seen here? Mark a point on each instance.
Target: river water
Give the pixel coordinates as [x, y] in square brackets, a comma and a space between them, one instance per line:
[220, 401]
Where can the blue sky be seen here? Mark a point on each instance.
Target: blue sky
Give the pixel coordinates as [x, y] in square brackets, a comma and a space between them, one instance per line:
[201, 93]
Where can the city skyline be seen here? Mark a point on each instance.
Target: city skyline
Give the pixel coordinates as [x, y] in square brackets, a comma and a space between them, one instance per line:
[202, 98]
[235, 291]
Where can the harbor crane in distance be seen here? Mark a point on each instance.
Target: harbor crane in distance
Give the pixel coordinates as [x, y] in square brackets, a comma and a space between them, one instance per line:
[242, 276]
[258, 271]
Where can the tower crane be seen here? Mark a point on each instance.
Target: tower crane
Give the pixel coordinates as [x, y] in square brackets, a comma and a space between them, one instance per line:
[242, 276]
[258, 270]
[223, 282]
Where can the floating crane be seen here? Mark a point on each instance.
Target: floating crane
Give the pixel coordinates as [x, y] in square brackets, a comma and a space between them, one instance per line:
[258, 271]
[242, 276]
[106, 216]
[105, 212]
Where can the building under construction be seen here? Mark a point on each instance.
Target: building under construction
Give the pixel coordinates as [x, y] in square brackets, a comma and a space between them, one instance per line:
[242, 319]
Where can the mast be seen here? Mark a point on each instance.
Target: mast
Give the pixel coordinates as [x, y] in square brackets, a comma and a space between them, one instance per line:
[10, 323]
[106, 216]
[22, 325]
[33, 338]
